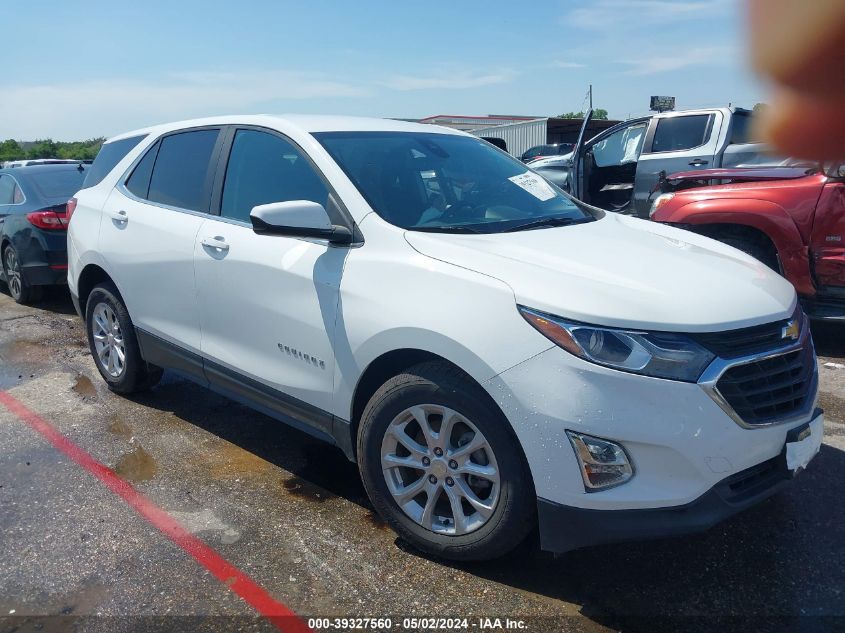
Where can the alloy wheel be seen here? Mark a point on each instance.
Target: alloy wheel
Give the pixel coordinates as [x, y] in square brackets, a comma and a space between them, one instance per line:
[109, 343]
[13, 273]
[440, 469]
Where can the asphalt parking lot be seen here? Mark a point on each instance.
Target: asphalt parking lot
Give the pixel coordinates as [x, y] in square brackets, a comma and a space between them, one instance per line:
[266, 516]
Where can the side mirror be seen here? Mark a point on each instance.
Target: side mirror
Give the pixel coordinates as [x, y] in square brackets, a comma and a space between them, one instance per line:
[298, 218]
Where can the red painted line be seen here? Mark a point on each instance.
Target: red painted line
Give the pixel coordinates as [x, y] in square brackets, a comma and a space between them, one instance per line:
[251, 592]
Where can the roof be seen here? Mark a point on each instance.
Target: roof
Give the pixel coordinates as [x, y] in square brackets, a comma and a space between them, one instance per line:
[309, 123]
[42, 169]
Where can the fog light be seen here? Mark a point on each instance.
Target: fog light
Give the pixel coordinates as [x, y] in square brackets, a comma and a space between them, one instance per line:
[604, 464]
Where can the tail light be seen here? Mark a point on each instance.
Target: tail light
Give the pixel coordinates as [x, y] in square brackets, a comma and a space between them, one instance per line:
[51, 219]
[70, 207]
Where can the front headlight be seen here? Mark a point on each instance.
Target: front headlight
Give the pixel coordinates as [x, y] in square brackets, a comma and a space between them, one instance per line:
[659, 201]
[659, 354]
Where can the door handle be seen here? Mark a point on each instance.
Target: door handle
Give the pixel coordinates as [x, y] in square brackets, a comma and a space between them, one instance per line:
[217, 243]
[697, 162]
[120, 216]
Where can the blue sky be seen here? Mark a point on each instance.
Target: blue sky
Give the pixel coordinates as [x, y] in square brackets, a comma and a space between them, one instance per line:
[84, 69]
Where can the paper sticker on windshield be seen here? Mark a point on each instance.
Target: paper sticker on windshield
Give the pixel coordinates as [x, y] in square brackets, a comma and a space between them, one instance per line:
[533, 184]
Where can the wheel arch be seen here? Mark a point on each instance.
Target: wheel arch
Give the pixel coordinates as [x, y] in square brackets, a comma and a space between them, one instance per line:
[743, 231]
[390, 364]
[761, 218]
[89, 278]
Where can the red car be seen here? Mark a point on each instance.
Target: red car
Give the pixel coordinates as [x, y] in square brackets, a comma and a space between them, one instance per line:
[792, 219]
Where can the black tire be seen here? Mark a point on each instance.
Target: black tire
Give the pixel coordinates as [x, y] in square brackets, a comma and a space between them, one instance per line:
[19, 288]
[441, 384]
[136, 375]
[756, 248]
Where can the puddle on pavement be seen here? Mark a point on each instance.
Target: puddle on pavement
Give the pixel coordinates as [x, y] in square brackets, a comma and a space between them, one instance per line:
[117, 426]
[84, 387]
[226, 460]
[9, 376]
[24, 351]
[300, 487]
[138, 465]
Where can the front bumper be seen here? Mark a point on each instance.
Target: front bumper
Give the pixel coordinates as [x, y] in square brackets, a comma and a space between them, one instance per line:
[685, 449]
[565, 528]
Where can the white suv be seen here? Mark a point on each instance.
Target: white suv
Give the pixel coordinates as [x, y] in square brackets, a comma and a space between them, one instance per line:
[494, 355]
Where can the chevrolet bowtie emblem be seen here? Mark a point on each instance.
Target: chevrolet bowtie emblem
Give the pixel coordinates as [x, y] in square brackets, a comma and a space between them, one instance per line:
[790, 330]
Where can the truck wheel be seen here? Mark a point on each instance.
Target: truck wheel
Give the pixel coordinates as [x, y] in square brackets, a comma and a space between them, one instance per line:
[442, 466]
[114, 346]
[21, 291]
[756, 248]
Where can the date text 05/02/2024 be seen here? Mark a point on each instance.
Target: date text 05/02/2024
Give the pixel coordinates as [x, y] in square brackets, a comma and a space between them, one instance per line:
[415, 624]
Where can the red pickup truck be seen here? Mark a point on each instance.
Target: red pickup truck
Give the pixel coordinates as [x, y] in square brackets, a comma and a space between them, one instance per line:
[790, 218]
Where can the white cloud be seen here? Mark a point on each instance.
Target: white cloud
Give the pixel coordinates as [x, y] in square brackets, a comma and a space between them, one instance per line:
[565, 64]
[601, 14]
[447, 80]
[96, 107]
[661, 62]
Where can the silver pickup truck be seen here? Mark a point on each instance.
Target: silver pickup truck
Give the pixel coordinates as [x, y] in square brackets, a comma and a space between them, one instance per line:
[619, 169]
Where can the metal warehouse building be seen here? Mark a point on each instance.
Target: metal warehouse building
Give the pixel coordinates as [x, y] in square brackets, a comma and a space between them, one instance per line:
[470, 123]
[522, 135]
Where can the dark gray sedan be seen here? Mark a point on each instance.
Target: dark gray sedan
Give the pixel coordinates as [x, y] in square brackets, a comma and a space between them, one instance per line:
[33, 226]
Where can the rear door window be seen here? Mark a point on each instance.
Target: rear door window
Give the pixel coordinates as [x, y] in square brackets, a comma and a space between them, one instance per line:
[265, 168]
[109, 156]
[678, 133]
[741, 128]
[183, 170]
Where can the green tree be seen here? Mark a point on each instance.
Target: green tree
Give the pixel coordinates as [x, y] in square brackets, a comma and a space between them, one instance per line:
[48, 148]
[43, 148]
[11, 150]
[599, 114]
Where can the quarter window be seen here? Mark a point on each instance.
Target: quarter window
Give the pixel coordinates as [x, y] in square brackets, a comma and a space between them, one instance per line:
[139, 181]
[182, 172]
[678, 133]
[265, 168]
[7, 190]
[108, 157]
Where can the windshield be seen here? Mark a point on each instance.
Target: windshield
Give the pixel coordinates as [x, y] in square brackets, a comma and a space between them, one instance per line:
[445, 182]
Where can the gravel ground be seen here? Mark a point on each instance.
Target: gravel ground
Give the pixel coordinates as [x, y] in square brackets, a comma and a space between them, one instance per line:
[292, 514]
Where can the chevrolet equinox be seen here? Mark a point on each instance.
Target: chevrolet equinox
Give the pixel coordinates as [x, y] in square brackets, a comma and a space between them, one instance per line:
[496, 357]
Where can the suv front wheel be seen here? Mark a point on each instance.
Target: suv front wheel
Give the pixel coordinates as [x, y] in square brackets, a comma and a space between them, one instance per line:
[114, 346]
[442, 466]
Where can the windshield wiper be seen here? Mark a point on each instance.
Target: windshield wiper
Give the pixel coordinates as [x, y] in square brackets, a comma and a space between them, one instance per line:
[547, 222]
[458, 228]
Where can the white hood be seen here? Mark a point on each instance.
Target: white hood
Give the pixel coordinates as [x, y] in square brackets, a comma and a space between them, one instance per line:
[624, 272]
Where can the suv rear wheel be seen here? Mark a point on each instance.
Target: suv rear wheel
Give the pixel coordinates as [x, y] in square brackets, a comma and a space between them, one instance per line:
[114, 346]
[442, 466]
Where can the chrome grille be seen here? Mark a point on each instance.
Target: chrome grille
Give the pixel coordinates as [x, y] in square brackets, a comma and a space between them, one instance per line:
[777, 382]
[763, 391]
